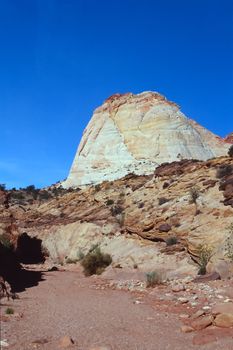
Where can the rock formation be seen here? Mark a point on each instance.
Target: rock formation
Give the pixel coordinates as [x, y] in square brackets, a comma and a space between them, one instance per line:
[136, 133]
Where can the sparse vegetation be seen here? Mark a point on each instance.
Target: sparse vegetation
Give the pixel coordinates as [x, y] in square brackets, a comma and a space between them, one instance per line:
[116, 209]
[230, 151]
[171, 240]
[153, 278]
[97, 188]
[224, 170]
[205, 252]
[9, 311]
[229, 243]
[194, 193]
[95, 262]
[110, 202]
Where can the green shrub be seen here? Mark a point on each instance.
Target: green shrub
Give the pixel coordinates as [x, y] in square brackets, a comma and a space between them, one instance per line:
[194, 193]
[116, 210]
[171, 240]
[9, 311]
[229, 243]
[205, 252]
[95, 262]
[109, 202]
[153, 278]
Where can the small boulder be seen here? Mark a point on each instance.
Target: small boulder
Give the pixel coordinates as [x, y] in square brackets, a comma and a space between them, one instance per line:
[224, 320]
[197, 314]
[66, 342]
[164, 228]
[222, 308]
[178, 288]
[201, 323]
[186, 329]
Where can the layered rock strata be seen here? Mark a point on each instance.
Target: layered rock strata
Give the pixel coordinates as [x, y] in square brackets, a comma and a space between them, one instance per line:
[136, 133]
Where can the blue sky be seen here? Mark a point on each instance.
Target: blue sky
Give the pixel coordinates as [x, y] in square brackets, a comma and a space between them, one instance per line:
[59, 59]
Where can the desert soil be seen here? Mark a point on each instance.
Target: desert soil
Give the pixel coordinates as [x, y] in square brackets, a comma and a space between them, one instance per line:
[66, 303]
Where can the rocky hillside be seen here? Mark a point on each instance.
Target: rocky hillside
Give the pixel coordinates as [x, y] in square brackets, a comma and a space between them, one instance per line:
[153, 221]
[136, 133]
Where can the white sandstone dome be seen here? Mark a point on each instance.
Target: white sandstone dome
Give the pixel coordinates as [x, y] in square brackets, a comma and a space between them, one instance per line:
[134, 134]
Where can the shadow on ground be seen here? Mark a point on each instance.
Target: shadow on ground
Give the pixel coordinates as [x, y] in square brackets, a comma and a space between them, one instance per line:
[10, 264]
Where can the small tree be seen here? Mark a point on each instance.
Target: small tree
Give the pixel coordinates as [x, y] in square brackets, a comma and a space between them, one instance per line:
[230, 151]
[194, 193]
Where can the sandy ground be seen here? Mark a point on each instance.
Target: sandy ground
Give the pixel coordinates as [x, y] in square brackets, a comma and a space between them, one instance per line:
[67, 303]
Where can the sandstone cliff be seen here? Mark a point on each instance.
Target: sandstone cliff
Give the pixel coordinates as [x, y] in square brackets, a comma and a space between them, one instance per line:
[134, 134]
[132, 218]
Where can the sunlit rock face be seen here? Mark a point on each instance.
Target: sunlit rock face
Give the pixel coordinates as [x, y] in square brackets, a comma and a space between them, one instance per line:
[134, 134]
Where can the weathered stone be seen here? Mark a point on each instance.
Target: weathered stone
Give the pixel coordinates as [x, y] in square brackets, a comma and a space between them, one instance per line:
[178, 287]
[186, 329]
[202, 322]
[208, 277]
[164, 228]
[135, 133]
[222, 308]
[66, 342]
[224, 320]
[197, 314]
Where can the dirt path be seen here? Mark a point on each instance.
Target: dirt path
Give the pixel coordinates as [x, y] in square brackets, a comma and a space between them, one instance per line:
[66, 303]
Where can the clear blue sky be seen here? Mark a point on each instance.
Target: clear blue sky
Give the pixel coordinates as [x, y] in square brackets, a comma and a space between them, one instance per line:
[59, 59]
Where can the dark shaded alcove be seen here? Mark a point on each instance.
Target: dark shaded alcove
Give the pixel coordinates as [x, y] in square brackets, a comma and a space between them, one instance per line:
[29, 249]
[14, 274]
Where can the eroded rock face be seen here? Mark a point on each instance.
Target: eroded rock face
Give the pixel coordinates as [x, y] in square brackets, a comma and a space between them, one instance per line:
[134, 134]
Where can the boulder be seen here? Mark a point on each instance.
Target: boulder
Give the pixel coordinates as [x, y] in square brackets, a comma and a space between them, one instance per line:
[224, 320]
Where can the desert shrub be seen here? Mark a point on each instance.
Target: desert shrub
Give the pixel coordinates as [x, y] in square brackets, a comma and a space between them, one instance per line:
[116, 209]
[17, 195]
[230, 151]
[97, 188]
[194, 193]
[44, 195]
[110, 202]
[9, 311]
[205, 252]
[171, 240]
[153, 278]
[162, 200]
[224, 170]
[2, 187]
[140, 205]
[95, 262]
[229, 243]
